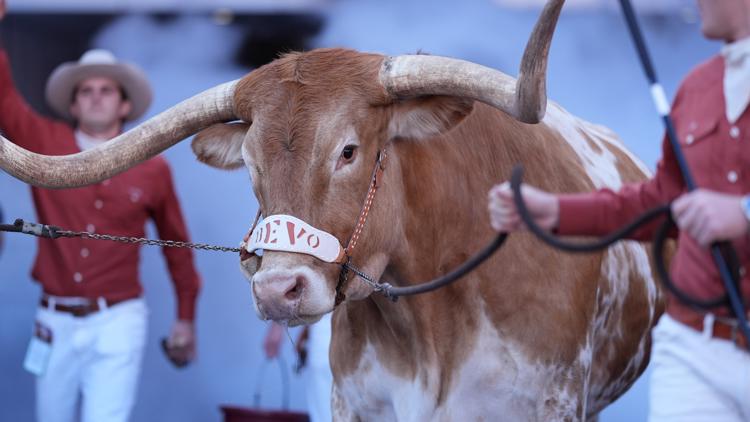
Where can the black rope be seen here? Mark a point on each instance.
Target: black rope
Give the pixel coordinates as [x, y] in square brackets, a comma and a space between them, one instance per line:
[515, 183]
[659, 242]
[469, 265]
[660, 236]
[658, 246]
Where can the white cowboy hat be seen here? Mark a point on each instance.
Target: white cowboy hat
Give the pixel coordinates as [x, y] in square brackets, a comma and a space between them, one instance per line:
[98, 63]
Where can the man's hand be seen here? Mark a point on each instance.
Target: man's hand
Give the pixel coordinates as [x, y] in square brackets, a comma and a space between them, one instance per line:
[180, 346]
[300, 347]
[504, 217]
[272, 342]
[709, 216]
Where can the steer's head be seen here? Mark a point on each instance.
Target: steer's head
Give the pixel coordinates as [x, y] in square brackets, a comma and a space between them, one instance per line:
[315, 125]
[309, 128]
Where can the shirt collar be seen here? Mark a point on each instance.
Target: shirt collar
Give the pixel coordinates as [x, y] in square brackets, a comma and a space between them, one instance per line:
[736, 78]
[737, 51]
[86, 142]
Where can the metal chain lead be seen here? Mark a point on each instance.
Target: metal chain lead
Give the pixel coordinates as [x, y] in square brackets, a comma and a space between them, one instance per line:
[376, 285]
[149, 242]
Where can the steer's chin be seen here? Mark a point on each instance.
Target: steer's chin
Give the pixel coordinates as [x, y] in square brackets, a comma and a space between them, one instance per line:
[303, 320]
[285, 318]
[296, 313]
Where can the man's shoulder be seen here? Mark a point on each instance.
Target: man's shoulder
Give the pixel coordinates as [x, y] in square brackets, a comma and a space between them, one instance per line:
[706, 73]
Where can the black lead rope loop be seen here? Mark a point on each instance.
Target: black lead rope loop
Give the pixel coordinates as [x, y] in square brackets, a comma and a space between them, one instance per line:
[393, 293]
[465, 268]
[554, 241]
[388, 290]
[729, 272]
[661, 269]
[659, 242]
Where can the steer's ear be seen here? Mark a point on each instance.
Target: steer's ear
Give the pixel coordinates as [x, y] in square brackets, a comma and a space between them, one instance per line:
[220, 145]
[428, 116]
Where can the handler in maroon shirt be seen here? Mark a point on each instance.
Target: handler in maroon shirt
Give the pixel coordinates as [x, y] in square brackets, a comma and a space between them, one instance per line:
[92, 300]
[701, 372]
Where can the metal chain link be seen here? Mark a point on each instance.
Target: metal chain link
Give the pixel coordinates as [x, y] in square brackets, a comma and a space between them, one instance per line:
[378, 286]
[149, 242]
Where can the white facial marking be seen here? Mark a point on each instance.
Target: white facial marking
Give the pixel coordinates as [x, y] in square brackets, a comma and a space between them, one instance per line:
[316, 299]
[249, 163]
[348, 137]
[335, 125]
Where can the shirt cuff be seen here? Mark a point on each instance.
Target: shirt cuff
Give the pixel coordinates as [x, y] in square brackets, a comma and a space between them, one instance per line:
[186, 306]
[577, 215]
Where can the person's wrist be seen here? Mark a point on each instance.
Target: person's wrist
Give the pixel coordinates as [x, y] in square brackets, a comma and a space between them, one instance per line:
[555, 213]
[745, 207]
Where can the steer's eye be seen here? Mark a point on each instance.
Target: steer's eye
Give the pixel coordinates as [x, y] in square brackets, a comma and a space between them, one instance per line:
[347, 155]
[348, 152]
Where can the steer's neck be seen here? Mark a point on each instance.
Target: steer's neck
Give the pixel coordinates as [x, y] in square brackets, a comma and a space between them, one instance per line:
[434, 198]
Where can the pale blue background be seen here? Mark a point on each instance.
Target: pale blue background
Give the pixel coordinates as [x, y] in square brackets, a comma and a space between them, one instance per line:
[593, 72]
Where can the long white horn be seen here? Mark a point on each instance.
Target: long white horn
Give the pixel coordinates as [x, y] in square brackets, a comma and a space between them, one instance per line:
[525, 99]
[124, 151]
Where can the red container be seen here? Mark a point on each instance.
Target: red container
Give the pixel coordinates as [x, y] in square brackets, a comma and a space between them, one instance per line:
[247, 414]
[255, 413]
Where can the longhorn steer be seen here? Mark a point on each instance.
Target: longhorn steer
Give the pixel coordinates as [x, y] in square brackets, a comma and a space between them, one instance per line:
[532, 334]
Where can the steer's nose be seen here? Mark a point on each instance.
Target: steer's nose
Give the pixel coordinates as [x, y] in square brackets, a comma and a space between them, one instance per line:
[278, 293]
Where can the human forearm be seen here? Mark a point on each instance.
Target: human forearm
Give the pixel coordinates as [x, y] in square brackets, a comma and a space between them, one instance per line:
[170, 224]
[18, 121]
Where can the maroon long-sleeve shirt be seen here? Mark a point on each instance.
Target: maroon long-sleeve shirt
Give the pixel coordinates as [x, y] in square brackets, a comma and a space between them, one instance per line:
[718, 154]
[118, 206]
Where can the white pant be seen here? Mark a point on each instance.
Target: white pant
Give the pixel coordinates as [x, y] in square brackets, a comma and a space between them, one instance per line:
[697, 378]
[319, 376]
[94, 365]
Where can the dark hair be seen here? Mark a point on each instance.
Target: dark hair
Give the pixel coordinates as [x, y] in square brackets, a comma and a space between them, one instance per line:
[123, 93]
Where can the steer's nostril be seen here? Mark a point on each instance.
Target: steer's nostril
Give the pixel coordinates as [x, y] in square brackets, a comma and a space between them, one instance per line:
[296, 289]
